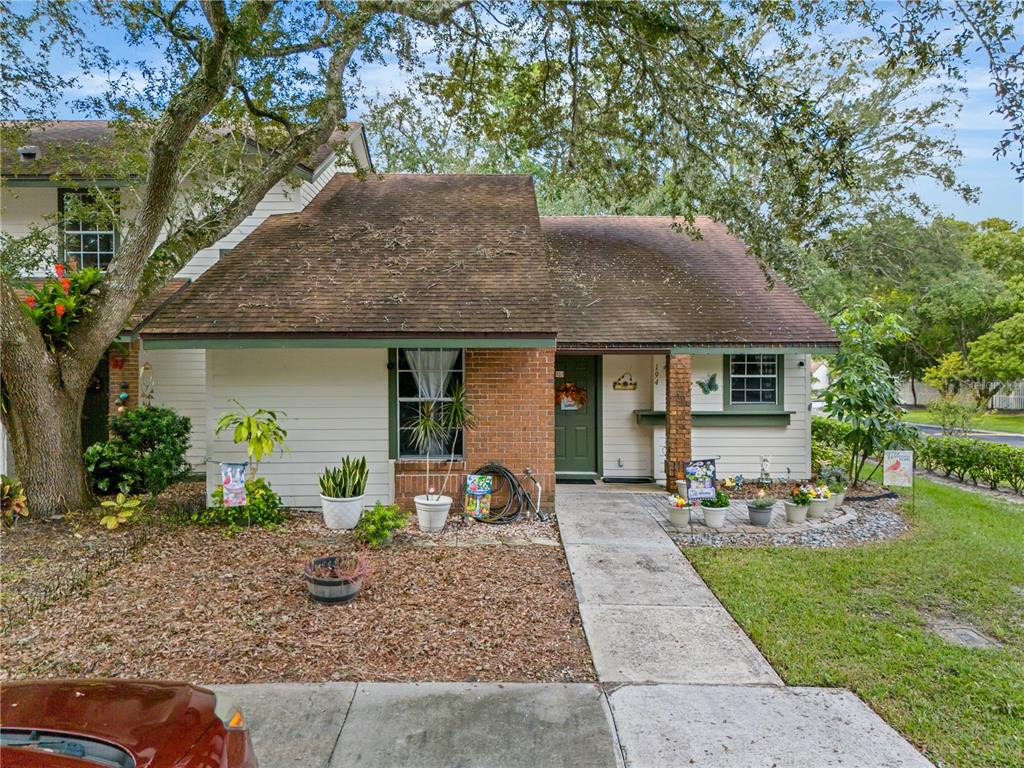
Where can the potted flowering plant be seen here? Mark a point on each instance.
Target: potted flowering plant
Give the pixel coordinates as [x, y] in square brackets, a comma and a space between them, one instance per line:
[799, 500]
[714, 509]
[679, 512]
[336, 579]
[820, 503]
[837, 480]
[838, 491]
[760, 508]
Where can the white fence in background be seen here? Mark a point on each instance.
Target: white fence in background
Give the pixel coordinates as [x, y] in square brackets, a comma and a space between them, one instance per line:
[1010, 399]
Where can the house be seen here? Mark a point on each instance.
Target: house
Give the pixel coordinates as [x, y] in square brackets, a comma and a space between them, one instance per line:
[589, 347]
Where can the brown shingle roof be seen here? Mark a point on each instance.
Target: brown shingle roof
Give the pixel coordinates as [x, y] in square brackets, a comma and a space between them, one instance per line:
[402, 255]
[79, 139]
[635, 281]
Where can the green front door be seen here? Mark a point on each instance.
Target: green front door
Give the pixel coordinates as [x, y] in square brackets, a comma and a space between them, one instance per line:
[576, 405]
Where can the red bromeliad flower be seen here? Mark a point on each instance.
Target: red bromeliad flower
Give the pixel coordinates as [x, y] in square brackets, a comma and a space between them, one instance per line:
[60, 309]
[66, 285]
[58, 270]
[30, 301]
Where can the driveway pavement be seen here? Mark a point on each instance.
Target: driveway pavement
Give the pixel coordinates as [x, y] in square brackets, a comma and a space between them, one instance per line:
[993, 437]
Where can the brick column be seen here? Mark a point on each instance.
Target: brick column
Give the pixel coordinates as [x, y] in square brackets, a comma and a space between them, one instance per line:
[678, 422]
[124, 370]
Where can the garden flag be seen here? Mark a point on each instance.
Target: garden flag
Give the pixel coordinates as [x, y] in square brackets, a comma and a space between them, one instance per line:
[898, 469]
[700, 479]
[232, 480]
[478, 495]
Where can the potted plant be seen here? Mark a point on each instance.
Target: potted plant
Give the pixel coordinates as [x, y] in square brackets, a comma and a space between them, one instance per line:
[838, 491]
[679, 512]
[342, 490]
[438, 423]
[820, 503]
[337, 578]
[837, 480]
[760, 509]
[799, 500]
[714, 509]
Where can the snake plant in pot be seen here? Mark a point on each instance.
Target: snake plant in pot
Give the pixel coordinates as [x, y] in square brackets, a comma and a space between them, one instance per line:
[342, 490]
[435, 428]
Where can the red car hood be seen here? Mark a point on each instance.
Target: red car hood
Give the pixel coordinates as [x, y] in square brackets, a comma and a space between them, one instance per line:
[157, 722]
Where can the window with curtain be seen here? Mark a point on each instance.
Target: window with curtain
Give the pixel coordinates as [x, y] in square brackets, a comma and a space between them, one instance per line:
[426, 375]
[88, 238]
[753, 379]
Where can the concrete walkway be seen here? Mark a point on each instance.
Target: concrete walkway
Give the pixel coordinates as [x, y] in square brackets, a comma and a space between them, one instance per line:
[648, 616]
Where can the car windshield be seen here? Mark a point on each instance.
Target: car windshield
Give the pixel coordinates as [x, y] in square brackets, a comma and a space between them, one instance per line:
[87, 750]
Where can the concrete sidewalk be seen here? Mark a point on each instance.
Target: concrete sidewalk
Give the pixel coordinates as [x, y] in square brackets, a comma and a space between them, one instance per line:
[647, 614]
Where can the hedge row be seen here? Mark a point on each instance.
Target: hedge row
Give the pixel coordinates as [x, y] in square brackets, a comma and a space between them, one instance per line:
[962, 457]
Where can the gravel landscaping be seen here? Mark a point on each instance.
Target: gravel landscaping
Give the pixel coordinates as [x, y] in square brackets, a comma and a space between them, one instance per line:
[195, 604]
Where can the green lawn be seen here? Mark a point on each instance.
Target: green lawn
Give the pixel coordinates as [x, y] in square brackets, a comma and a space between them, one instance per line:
[854, 618]
[995, 421]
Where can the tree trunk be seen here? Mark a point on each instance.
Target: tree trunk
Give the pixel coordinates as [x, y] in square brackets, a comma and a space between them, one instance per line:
[45, 431]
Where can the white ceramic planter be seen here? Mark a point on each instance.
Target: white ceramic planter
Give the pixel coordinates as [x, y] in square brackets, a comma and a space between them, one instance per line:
[681, 488]
[840, 498]
[819, 508]
[432, 512]
[342, 514]
[714, 517]
[831, 502]
[795, 513]
[679, 517]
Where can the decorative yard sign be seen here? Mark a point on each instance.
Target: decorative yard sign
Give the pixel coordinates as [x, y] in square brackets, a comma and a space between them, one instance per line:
[899, 469]
[700, 479]
[232, 479]
[478, 495]
[569, 397]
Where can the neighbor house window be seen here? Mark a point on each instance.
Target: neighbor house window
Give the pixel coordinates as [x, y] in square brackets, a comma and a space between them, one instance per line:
[88, 237]
[754, 380]
[426, 375]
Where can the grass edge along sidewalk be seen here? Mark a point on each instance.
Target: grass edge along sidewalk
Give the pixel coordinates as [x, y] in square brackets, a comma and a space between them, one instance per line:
[858, 618]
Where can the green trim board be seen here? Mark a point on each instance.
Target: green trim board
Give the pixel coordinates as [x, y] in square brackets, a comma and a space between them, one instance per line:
[331, 342]
[741, 418]
[823, 349]
[65, 183]
[780, 388]
[650, 418]
[392, 400]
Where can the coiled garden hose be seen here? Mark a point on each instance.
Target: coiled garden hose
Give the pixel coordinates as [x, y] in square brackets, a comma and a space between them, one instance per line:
[509, 499]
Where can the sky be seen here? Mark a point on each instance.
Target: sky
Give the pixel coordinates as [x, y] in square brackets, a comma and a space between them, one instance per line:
[978, 129]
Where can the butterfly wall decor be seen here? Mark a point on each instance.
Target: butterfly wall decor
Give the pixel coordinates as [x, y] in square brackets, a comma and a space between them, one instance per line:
[709, 384]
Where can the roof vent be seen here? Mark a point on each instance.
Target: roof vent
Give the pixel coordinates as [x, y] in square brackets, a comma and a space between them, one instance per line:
[27, 154]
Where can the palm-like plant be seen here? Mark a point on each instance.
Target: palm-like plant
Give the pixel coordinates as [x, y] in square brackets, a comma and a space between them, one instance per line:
[436, 422]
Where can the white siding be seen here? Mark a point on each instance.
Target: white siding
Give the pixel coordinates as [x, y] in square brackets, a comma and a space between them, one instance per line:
[179, 382]
[23, 206]
[623, 439]
[701, 368]
[741, 448]
[336, 401]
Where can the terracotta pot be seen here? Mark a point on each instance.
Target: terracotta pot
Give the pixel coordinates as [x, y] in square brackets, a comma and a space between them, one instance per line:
[432, 512]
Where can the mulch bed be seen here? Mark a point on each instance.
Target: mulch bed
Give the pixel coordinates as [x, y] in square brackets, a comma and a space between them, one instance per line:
[198, 605]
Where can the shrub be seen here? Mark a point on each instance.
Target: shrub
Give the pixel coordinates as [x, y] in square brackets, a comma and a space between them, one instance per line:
[377, 525]
[961, 457]
[146, 451]
[262, 509]
[953, 414]
[12, 503]
[119, 511]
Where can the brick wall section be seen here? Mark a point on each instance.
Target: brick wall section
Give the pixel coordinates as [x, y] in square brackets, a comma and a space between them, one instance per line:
[124, 369]
[511, 395]
[678, 421]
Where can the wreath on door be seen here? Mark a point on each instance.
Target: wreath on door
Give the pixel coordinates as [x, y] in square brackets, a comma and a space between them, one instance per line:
[569, 392]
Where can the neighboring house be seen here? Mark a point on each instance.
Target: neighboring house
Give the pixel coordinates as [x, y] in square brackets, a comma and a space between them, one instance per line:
[372, 295]
[1011, 398]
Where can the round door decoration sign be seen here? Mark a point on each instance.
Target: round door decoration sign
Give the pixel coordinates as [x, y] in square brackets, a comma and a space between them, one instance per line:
[569, 397]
